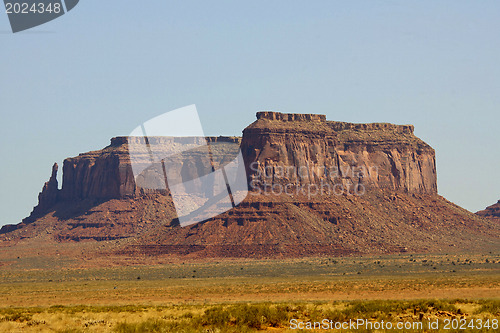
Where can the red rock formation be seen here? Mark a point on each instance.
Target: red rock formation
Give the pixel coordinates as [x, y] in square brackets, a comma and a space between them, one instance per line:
[50, 192]
[107, 173]
[307, 149]
[97, 176]
[400, 210]
[492, 212]
[47, 198]
[381, 221]
[100, 175]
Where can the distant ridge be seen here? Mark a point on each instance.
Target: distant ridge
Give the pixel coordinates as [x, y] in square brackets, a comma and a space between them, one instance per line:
[492, 211]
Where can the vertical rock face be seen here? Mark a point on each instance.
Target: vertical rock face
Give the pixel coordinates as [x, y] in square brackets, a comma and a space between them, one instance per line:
[279, 149]
[97, 176]
[299, 149]
[107, 173]
[47, 198]
[101, 175]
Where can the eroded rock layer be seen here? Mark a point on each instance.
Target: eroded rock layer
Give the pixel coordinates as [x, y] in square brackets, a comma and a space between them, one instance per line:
[319, 167]
[307, 149]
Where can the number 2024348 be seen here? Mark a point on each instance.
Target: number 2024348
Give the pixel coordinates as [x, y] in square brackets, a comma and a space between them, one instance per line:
[462, 324]
[35, 8]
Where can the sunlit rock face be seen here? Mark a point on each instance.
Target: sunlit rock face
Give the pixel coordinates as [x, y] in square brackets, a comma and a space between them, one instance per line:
[301, 149]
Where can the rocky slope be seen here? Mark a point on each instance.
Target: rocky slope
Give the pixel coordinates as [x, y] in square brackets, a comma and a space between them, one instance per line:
[378, 222]
[491, 212]
[316, 187]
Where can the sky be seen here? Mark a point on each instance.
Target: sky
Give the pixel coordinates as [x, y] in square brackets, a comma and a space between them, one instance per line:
[97, 72]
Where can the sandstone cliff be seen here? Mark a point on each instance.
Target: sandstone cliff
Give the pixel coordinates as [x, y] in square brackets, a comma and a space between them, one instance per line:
[399, 209]
[95, 177]
[101, 175]
[284, 149]
[308, 149]
[107, 173]
[49, 195]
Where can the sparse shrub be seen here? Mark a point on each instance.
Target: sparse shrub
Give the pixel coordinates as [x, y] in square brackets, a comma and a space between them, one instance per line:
[215, 316]
[18, 317]
[188, 315]
[251, 316]
[442, 305]
[489, 306]
[150, 326]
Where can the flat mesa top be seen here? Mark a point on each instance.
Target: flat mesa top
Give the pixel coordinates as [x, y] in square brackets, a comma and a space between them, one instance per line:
[318, 122]
[272, 115]
[271, 121]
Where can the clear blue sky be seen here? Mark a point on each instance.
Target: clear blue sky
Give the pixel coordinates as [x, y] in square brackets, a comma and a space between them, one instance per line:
[70, 85]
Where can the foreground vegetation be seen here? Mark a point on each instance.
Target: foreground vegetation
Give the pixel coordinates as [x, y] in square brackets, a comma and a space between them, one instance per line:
[249, 317]
[258, 295]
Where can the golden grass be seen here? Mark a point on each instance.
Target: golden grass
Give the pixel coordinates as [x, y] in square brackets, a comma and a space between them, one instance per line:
[247, 296]
[240, 317]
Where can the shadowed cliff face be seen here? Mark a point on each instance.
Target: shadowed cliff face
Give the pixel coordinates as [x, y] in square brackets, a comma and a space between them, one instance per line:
[307, 149]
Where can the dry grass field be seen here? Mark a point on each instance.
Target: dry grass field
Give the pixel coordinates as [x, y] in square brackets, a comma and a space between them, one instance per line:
[254, 295]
